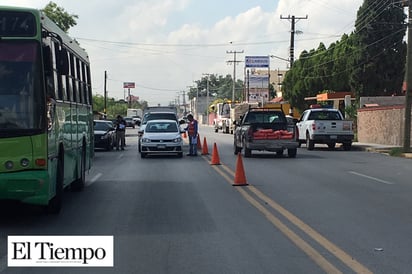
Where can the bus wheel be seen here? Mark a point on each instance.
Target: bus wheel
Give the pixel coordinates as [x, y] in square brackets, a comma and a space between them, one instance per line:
[55, 204]
[78, 185]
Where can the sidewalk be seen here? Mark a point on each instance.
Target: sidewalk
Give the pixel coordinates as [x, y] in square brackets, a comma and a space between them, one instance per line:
[385, 149]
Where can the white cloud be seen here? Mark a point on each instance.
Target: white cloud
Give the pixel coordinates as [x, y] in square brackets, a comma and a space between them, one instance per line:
[164, 45]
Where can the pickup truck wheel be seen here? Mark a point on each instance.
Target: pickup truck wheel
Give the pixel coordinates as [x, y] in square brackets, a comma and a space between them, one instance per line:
[292, 152]
[347, 146]
[246, 152]
[310, 144]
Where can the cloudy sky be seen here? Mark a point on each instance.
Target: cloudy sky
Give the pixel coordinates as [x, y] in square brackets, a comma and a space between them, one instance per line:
[165, 45]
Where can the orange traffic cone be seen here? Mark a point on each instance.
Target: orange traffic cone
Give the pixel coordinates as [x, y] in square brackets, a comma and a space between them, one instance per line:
[205, 151]
[184, 135]
[215, 156]
[240, 178]
[199, 144]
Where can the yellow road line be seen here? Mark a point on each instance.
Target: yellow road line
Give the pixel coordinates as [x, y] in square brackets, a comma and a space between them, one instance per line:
[328, 245]
[304, 246]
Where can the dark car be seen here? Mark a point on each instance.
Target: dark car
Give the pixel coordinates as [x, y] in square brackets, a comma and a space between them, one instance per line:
[104, 134]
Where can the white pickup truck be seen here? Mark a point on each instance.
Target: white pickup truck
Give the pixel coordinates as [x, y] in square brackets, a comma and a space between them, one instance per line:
[324, 126]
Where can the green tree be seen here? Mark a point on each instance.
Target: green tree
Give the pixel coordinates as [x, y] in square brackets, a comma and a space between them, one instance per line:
[59, 16]
[220, 87]
[369, 62]
[379, 61]
[113, 107]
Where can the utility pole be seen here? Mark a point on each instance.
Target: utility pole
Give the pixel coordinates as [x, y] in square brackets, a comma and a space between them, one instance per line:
[184, 102]
[105, 95]
[408, 99]
[234, 71]
[292, 36]
[207, 98]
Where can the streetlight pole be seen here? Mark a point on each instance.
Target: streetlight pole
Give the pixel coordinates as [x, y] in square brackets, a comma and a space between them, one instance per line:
[197, 101]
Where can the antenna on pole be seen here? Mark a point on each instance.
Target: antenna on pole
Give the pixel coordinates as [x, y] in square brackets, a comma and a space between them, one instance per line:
[293, 19]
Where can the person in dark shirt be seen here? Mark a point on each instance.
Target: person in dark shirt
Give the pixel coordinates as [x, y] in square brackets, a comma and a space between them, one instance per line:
[192, 130]
[120, 132]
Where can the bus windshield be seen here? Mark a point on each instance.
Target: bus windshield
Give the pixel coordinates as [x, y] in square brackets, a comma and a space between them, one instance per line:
[21, 97]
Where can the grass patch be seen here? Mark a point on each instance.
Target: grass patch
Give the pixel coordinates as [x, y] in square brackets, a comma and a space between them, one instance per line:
[396, 151]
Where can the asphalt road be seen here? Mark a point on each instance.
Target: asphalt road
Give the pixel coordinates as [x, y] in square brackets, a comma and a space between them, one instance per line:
[324, 211]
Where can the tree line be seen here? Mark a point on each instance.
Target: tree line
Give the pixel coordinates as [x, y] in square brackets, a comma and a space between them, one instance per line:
[370, 61]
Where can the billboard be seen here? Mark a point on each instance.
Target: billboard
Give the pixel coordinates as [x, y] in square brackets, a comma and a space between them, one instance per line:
[128, 85]
[257, 61]
[258, 81]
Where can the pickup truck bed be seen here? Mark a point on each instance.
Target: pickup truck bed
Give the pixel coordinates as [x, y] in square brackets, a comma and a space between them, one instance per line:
[269, 132]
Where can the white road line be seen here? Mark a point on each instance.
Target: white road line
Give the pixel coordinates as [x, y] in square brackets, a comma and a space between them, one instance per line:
[370, 177]
[94, 179]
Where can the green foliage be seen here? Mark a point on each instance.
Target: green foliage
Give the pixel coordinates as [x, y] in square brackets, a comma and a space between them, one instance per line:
[380, 50]
[220, 87]
[369, 62]
[396, 151]
[352, 112]
[59, 16]
[114, 107]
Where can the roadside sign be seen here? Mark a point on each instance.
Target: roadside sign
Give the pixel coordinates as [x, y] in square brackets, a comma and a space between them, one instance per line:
[257, 61]
[128, 85]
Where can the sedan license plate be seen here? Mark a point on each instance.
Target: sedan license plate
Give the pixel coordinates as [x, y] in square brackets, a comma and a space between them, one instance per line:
[333, 137]
[161, 146]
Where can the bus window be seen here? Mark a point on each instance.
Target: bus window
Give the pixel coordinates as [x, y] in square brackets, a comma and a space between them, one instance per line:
[73, 79]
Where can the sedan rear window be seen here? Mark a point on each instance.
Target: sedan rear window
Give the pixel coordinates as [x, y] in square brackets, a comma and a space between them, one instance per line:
[161, 127]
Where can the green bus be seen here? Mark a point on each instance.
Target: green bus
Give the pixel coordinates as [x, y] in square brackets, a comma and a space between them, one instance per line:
[46, 115]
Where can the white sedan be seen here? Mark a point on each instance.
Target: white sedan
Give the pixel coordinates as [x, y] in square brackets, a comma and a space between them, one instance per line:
[161, 137]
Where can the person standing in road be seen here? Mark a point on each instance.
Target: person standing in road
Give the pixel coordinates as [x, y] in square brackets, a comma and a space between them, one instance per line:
[120, 132]
[192, 131]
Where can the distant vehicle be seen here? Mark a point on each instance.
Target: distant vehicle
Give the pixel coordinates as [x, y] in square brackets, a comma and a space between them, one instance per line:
[222, 120]
[324, 126]
[134, 112]
[227, 115]
[160, 109]
[161, 137]
[129, 122]
[104, 134]
[137, 120]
